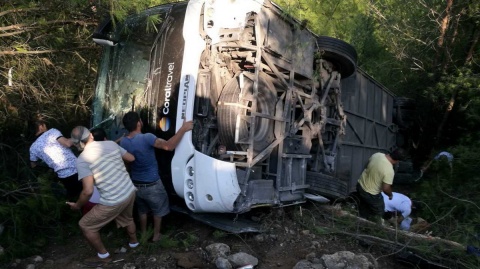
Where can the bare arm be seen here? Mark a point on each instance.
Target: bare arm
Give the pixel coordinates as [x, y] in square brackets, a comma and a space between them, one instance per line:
[66, 142]
[172, 143]
[387, 189]
[128, 157]
[85, 195]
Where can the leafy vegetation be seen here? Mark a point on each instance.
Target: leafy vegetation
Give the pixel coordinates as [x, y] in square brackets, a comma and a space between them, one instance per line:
[425, 50]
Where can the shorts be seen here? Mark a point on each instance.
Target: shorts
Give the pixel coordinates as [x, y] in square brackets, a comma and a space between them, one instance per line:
[152, 198]
[100, 215]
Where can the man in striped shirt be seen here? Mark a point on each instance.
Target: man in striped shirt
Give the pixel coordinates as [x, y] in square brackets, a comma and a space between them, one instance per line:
[101, 164]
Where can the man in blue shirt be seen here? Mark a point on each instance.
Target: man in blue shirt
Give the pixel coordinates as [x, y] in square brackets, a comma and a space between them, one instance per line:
[151, 194]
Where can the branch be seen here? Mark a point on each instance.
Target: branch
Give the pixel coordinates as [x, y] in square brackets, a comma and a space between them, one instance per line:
[3, 53]
[18, 10]
[16, 33]
[428, 238]
[35, 24]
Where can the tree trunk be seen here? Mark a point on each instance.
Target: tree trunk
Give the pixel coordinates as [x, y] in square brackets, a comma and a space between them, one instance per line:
[444, 25]
[443, 32]
[473, 44]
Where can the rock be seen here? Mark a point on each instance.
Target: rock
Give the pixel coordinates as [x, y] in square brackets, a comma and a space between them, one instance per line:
[346, 260]
[37, 259]
[304, 264]
[2, 251]
[259, 238]
[217, 250]
[30, 266]
[316, 244]
[223, 263]
[241, 259]
[129, 266]
[312, 257]
[273, 236]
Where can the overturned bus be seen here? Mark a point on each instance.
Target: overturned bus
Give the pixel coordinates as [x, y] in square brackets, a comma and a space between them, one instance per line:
[280, 114]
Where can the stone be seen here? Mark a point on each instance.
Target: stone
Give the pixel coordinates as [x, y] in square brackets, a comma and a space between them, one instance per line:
[346, 260]
[223, 263]
[217, 250]
[259, 238]
[241, 259]
[37, 259]
[304, 264]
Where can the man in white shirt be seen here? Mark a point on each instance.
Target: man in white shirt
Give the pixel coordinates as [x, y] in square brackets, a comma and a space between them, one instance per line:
[51, 147]
[400, 205]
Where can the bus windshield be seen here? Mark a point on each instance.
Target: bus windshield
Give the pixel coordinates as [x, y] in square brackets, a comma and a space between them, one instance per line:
[124, 71]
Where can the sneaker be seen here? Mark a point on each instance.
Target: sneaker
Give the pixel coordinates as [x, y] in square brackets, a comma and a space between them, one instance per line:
[133, 245]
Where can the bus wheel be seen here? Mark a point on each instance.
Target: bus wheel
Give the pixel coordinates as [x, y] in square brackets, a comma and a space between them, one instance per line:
[235, 113]
[341, 54]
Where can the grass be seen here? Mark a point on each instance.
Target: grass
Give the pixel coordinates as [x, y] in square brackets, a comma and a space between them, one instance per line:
[217, 234]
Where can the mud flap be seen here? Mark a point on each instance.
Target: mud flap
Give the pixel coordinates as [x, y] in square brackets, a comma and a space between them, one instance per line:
[227, 222]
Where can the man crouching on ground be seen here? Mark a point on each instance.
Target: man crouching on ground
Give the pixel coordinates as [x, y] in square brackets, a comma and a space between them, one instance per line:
[101, 165]
[375, 178]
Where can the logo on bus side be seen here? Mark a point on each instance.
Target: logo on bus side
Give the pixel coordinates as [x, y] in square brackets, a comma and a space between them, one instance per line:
[168, 89]
[186, 85]
[164, 124]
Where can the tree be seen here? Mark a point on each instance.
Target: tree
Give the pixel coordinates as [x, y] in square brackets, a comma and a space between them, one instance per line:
[48, 65]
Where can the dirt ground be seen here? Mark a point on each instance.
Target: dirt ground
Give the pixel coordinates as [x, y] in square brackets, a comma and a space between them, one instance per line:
[285, 241]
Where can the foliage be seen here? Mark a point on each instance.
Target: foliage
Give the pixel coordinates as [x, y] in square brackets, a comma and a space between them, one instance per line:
[452, 195]
[47, 66]
[217, 234]
[331, 18]
[426, 50]
[31, 213]
[330, 222]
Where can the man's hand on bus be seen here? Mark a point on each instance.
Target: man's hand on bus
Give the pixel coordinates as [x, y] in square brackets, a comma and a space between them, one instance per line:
[187, 126]
[172, 143]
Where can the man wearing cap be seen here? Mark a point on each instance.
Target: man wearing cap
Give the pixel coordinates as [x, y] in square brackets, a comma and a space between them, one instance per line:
[399, 204]
[375, 178]
[151, 195]
[53, 148]
[101, 165]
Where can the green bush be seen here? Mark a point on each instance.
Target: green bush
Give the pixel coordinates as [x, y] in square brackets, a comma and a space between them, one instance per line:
[32, 208]
[451, 195]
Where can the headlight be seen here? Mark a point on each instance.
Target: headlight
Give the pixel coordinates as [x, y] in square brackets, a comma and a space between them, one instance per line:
[190, 183]
[190, 171]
